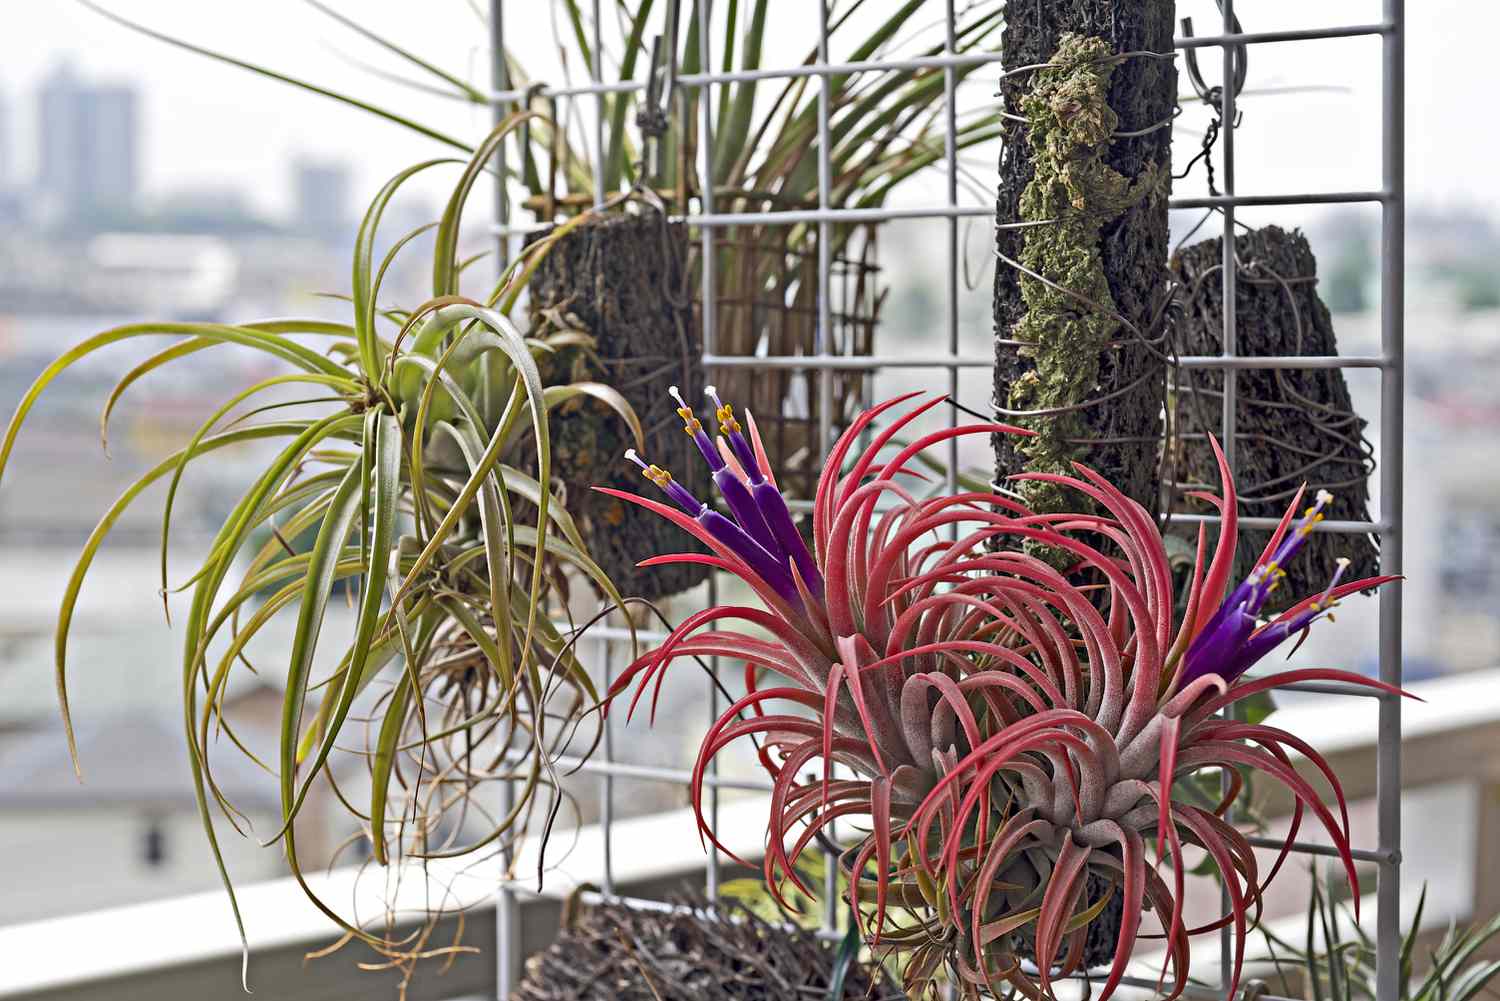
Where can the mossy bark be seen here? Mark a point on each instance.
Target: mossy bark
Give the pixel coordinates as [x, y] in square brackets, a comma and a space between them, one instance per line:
[622, 280]
[1292, 427]
[1104, 197]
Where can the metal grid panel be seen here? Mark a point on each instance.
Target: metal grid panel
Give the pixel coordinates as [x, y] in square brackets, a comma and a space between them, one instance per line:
[1390, 362]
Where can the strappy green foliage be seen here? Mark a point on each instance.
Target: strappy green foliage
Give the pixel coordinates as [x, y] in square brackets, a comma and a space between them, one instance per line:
[1332, 964]
[885, 126]
[418, 462]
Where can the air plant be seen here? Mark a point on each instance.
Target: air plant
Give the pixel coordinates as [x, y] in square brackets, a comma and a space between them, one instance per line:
[1001, 728]
[885, 126]
[396, 454]
[1328, 964]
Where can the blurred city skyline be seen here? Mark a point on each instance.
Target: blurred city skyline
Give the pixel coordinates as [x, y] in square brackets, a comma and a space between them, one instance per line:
[207, 124]
[87, 145]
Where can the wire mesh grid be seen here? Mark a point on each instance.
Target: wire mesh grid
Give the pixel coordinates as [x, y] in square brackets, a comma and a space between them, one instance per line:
[824, 364]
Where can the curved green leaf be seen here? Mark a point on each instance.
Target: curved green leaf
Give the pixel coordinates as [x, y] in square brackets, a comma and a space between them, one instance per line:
[363, 287]
[387, 483]
[281, 77]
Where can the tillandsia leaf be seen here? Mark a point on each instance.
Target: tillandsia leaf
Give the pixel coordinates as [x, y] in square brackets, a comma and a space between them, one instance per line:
[1011, 729]
[313, 88]
[195, 344]
[615, 165]
[734, 126]
[459, 85]
[393, 721]
[494, 518]
[556, 396]
[386, 445]
[364, 287]
[445, 251]
[96, 539]
[190, 451]
[283, 348]
[194, 647]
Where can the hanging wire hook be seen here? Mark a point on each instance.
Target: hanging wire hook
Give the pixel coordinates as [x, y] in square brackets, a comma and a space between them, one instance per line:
[1214, 96]
[653, 118]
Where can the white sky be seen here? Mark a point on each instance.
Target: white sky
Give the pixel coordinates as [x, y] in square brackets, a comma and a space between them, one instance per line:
[209, 125]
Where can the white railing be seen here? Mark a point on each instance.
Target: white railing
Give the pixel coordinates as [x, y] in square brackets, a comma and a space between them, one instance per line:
[186, 948]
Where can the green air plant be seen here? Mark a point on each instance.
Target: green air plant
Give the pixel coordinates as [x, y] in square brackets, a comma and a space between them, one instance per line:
[397, 464]
[884, 126]
[1327, 965]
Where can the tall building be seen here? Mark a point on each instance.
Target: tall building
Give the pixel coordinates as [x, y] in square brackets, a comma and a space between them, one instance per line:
[10, 201]
[90, 146]
[321, 190]
[5, 147]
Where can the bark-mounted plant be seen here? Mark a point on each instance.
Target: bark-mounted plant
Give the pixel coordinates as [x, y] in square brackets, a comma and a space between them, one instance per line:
[395, 434]
[623, 279]
[885, 128]
[694, 950]
[1007, 737]
[1291, 426]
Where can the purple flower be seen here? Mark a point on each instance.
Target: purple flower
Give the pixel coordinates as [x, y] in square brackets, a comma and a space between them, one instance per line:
[759, 529]
[1233, 641]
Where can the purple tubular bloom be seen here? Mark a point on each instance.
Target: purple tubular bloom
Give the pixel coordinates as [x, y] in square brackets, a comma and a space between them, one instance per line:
[706, 446]
[679, 494]
[773, 507]
[743, 452]
[746, 511]
[1219, 648]
[766, 566]
[683, 498]
[1230, 644]
[761, 533]
[730, 486]
[694, 427]
[738, 443]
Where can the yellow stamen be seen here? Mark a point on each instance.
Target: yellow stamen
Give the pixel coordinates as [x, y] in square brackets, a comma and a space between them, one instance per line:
[693, 425]
[727, 423]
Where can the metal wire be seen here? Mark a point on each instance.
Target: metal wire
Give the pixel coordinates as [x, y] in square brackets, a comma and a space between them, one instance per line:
[1390, 363]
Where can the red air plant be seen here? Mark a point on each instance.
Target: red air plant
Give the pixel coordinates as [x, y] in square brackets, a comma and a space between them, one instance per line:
[1004, 730]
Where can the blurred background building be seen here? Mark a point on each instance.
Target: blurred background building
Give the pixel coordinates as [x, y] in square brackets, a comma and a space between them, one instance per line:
[89, 136]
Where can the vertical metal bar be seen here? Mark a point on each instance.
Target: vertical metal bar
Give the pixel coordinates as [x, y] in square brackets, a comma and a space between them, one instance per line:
[500, 80]
[825, 327]
[825, 231]
[950, 158]
[1230, 333]
[1230, 338]
[607, 780]
[607, 783]
[710, 332]
[507, 910]
[1392, 428]
[601, 109]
